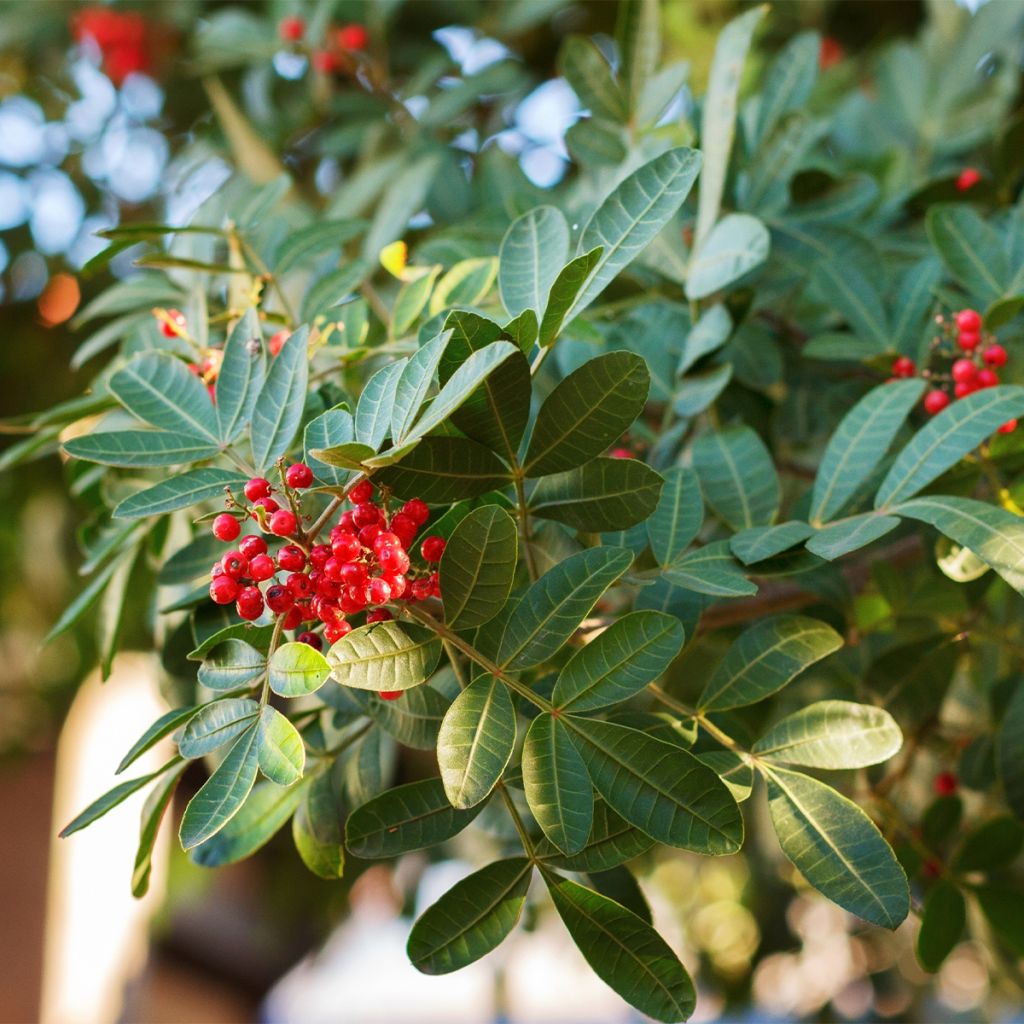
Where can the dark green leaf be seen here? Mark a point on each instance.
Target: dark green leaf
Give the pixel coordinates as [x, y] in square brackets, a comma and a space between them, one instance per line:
[317, 828]
[710, 570]
[991, 845]
[478, 567]
[153, 811]
[761, 542]
[737, 476]
[971, 250]
[442, 470]
[942, 924]
[111, 799]
[678, 517]
[571, 279]
[166, 724]
[241, 377]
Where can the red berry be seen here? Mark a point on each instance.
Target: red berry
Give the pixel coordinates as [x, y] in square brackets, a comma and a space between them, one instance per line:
[964, 371]
[385, 539]
[223, 590]
[326, 62]
[379, 615]
[399, 584]
[366, 514]
[417, 511]
[333, 569]
[968, 340]
[987, 378]
[1008, 427]
[361, 493]
[968, 320]
[935, 401]
[234, 565]
[279, 599]
[174, 325]
[420, 589]
[252, 546]
[291, 558]
[346, 548]
[353, 599]
[404, 527]
[352, 37]
[291, 28]
[354, 574]
[393, 560]
[368, 534]
[625, 453]
[277, 341]
[378, 591]
[257, 488]
[318, 556]
[283, 523]
[432, 548]
[347, 522]
[994, 355]
[336, 632]
[830, 53]
[964, 388]
[300, 585]
[967, 179]
[903, 366]
[932, 867]
[312, 639]
[250, 603]
[390, 694]
[261, 568]
[292, 618]
[226, 527]
[298, 475]
[946, 784]
[435, 584]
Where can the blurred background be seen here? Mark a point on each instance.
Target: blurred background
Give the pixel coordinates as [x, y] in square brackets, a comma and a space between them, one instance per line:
[104, 119]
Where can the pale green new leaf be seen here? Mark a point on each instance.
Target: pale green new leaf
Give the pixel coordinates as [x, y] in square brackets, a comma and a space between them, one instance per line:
[766, 657]
[837, 848]
[832, 734]
[478, 567]
[476, 741]
[282, 755]
[384, 656]
[297, 669]
[471, 919]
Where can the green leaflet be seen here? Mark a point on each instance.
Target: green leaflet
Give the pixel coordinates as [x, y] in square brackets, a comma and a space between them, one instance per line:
[373, 411]
[631, 217]
[180, 491]
[995, 535]
[835, 846]
[678, 516]
[710, 570]
[471, 919]
[737, 476]
[231, 663]
[832, 734]
[317, 827]
[159, 389]
[859, 444]
[658, 787]
[533, 251]
[384, 656]
[476, 740]
[282, 756]
[241, 377]
[624, 951]
[612, 841]
[946, 439]
[443, 470]
[566, 287]
[618, 663]
[557, 785]
[478, 567]
[166, 724]
[223, 793]
[587, 70]
[850, 534]
[735, 245]
[971, 250]
[415, 816]
[601, 496]
[217, 723]
[153, 811]
[762, 542]
[765, 658]
[552, 609]
[278, 409]
[413, 385]
[587, 412]
[140, 448]
[942, 924]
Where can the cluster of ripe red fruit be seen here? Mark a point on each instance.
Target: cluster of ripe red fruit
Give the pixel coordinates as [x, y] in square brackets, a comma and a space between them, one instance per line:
[341, 41]
[973, 366]
[120, 36]
[365, 565]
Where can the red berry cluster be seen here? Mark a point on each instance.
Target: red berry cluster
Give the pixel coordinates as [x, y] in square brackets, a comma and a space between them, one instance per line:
[120, 36]
[973, 357]
[364, 565]
[341, 41]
